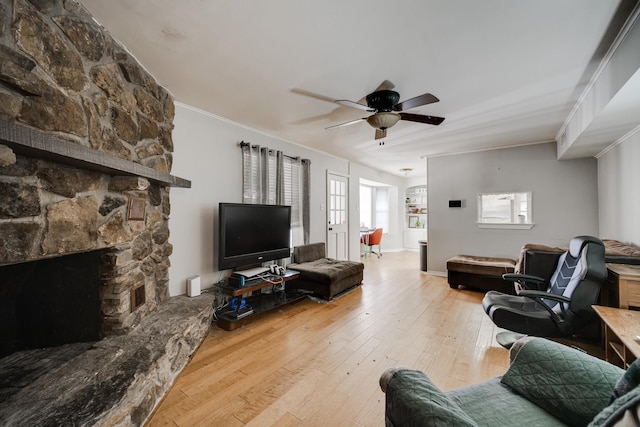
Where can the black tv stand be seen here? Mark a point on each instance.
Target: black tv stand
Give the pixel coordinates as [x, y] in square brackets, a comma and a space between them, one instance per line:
[229, 319]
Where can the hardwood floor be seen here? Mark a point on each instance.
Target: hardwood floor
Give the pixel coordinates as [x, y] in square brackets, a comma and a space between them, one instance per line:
[317, 364]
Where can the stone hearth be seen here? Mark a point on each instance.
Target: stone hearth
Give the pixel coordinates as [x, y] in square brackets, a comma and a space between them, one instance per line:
[116, 381]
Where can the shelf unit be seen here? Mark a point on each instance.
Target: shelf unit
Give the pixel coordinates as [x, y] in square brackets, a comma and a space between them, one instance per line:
[621, 334]
[260, 302]
[415, 217]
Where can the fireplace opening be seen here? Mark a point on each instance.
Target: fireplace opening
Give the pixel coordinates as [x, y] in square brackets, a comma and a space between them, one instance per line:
[50, 302]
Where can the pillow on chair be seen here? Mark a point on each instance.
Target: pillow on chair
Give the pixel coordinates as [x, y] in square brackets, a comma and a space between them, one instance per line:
[624, 408]
[556, 380]
[627, 382]
[623, 412]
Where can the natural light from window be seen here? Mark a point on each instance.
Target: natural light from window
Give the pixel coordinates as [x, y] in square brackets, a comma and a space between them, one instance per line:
[365, 207]
[382, 208]
[375, 206]
[508, 210]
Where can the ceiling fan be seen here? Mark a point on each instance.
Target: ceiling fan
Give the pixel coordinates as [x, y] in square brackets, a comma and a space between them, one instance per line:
[387, 110]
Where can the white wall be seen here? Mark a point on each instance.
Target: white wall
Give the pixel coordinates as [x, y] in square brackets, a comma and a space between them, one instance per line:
[616, 72]
[619, 192]
[206, 152]
[565, 200]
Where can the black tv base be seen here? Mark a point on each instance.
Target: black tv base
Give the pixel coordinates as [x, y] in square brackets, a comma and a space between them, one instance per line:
[257, 302]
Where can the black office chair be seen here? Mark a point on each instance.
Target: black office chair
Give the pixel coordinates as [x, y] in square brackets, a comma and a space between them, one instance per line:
[564, 309]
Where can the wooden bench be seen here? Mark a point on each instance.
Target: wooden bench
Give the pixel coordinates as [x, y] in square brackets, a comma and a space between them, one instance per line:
[480, 272]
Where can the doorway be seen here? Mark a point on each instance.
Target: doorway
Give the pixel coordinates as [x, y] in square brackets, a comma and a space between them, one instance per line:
[337, 216]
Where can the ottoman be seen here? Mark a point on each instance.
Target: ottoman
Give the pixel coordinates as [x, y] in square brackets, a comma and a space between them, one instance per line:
[324, 276]
[480, 272]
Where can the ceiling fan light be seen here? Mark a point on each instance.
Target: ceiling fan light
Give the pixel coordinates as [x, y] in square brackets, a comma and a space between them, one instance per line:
[406, 171]
[383, 120]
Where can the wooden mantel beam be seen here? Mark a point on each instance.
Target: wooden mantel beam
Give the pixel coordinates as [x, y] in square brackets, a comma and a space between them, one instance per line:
[28, 141]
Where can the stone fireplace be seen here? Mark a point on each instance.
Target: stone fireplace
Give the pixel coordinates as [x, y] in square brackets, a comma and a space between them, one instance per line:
[85, 160]
[65, 76]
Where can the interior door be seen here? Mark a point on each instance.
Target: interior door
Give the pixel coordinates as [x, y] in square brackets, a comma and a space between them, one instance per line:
[337, 216]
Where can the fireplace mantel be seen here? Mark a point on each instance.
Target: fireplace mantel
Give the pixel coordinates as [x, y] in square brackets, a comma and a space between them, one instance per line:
[28, 141]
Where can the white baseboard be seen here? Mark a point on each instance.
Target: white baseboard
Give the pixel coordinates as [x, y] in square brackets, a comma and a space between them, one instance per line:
[436, 273]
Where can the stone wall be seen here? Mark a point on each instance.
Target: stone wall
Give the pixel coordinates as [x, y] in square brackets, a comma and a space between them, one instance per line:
[62, 73]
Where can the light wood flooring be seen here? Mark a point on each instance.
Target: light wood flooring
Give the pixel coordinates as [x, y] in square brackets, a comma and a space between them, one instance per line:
[318, 364]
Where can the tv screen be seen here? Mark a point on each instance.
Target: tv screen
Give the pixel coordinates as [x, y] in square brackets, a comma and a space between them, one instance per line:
[252, 234]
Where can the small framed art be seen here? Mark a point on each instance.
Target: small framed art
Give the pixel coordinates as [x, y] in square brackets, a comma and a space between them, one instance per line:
[137, 206]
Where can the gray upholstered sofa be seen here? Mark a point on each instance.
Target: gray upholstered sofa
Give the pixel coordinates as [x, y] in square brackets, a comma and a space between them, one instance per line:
[324, 276]
[547, 384]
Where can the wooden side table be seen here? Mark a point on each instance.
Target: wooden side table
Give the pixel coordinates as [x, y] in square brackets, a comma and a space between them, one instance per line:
[621, 334]
[624, 286]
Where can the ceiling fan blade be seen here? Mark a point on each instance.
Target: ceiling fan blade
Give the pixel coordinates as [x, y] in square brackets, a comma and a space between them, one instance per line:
[385, 85]
[310, 94]
[381, 133]
[430, 120]
[352, 122]
[312, 119]
[424, 99]
[347, 103]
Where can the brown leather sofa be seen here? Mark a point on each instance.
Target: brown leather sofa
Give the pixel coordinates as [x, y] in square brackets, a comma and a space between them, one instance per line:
[535, 259]
[617, 252]
[323, 276]
[540, 260]
[480, 272]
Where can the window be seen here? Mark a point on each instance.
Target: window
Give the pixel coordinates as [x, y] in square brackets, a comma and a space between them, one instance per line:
[271, 177]
[365, 207]
[337, 200]
[374, 207]
[382, 208]
[292, 183]
[505, 210]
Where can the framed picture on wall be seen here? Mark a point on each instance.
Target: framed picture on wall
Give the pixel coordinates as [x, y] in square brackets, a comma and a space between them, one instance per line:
[136, 209]
[412, 221]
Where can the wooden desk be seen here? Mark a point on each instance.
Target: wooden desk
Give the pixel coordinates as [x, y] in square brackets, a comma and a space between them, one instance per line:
[624, 286]
[621, 331]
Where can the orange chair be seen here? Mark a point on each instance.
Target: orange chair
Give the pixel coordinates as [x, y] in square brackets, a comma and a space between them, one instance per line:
[372, 239]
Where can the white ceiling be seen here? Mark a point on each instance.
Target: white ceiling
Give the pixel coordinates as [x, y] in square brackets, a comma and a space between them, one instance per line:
[507, 72]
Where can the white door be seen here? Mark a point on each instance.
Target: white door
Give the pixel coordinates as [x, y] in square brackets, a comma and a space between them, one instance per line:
[337, 216]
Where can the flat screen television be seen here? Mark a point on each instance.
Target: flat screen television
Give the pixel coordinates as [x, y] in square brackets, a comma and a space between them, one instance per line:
[252, 234]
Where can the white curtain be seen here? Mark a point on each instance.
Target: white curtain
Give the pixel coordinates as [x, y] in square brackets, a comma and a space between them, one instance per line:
[382, 208]
[270, 177]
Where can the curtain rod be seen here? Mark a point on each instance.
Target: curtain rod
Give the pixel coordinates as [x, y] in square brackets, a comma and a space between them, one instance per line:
[248, 144]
